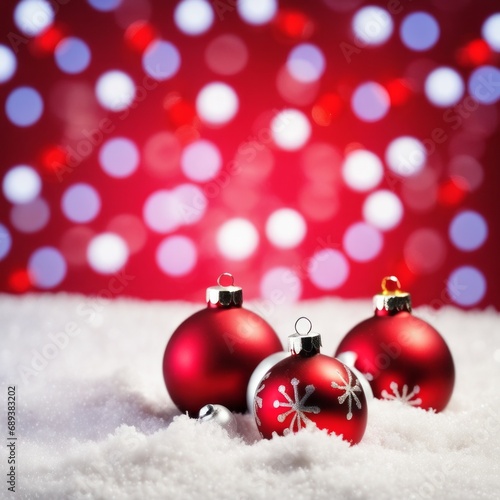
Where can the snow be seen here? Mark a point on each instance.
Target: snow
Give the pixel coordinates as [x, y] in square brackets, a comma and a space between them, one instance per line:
[94, 420]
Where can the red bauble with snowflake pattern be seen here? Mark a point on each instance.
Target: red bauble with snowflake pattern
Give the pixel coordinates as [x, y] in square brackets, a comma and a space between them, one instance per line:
[403, 357]
[310, 389]
[212, 354]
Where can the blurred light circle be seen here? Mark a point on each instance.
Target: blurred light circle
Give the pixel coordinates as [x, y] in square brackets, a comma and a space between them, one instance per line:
[72, 55]
[444, 87]
[176, 255]
[286, 228]
[281, 285]
[24, 106]
[119, 157]
[257, 11]
[468, 230]
[21, 184]
[296, 92]
[383, 209]
[74, 243]
[115, 90]
[33, 16]
[46, 267]
[226, 54]
[217, 103]
[318, 201]
[201, 160]
[306, 62]
[419, 31]
[406, 156]
[372, 25]
[483, 84]
[468, 169]
[104, 5]
[420, 192]
[370, 102]
[237, 239]
[190, 203]
[321, 162]
[290, 129]
[160, 212]
[5, 241]
[8, 63]
[424, 251]
[362, 170]
[161, 154]
[81, 203]
[193, 17]
[328, 269]
[362, 242]
[161, 60]
[107, 253]
[131, 229]
[30, 217]
[491, 31]
[466, 286]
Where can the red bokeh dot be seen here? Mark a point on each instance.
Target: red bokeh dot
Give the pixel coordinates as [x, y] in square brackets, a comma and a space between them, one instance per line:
[139, 35]
[19, 281]
[326, 108]
[45, 43]
[399, 91]
[452, 191]
[474, 53]
[294, 25]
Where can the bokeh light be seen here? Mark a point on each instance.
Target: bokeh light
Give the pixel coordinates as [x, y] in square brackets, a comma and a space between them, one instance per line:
[161, 60]
[281, 285]
[285, 228]
[328, 269]
[419, 31]
[406, 156]
[72, 55]
[372, 25]
[424, 251]
[5, 241]
[24, 106]
[237, 239]
[81, 203]
[176, 255]
[30, 217]
[107, 253]
[483, 85]
[226, 54]
[47, 267]
[193, 17]
[115, 90]
[466, 286]
[468, 230]
[383, 210]
[362, 170]
[32, 17]
[105, 5]
[444, 87]
[491, 31]
[370, 102]
[217, 103]
[201, 160]
[21, 184]
[290, 129]
[119, 157]
[362, 242]
[257, 11]
[8, 63]
[306, 62]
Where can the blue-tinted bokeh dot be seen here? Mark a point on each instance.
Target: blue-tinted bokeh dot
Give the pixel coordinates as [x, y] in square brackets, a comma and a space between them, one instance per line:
[5, 241]
[104, 5]
[24, 106]
[419, 31]
[468, 230]
[72, 55]
[466, 286]
[484, 84]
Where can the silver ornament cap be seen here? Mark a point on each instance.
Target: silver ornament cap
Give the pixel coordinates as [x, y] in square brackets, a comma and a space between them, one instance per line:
[304, 343]
[225, 294]
[220, 415]
[392, 299]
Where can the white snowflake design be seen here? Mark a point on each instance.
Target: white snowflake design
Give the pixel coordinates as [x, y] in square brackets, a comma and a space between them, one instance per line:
[349, 393]
[404, 396]
[257, 401]
[297, 406]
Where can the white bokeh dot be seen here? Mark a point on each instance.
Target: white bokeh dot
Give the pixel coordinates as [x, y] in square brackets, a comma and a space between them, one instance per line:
[286, 228]
[483, 86]
[306, 62]
[115, 90]
[290, 129]
[160, 212]
[201, 160]
[257, 12]
[491, 31]
[281, 285]
[119, 157]
[107, 253]
[466, 286]
[468, 230]
[47, 267]
[370, 102]
[444, 87]
[362, 242]
[81, 203]
[32, 17]
[176, 255]
[406, 156]
[362, 170]
[237, 239]
[217, 103]
[24, 106]
[72, 55]
[190, 202]
[21, 184]
[328, 269]
[161, 60]
[372, 25]
[383, 210]
[194, 17]
[30, 217]
[5, 241]
[419, 31]
[8, 63]
[105, 5]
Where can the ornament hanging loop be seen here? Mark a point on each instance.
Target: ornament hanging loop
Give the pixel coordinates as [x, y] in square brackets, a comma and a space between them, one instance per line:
[309, 323]
[229, 276]
[390, 285]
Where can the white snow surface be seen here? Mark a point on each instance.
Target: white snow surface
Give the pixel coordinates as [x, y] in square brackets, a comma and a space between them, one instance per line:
[95, 421]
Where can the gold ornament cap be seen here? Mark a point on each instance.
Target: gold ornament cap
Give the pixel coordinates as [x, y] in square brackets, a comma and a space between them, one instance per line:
[225, 295]
[304, 343]
[392, 299]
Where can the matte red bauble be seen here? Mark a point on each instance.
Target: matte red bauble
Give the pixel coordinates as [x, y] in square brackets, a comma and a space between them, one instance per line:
[403, 357]
[212, 354]
[310, 389]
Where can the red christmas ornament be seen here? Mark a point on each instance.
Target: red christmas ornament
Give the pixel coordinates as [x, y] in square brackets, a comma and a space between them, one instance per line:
[212, 354]
[309, 388]
[402, 356]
